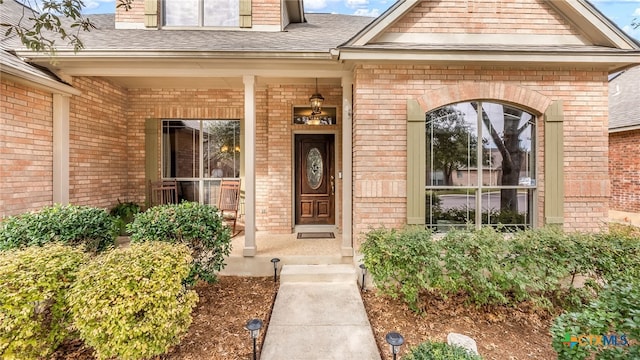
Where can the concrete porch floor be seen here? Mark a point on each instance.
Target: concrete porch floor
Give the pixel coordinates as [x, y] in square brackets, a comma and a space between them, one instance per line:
[288, 248]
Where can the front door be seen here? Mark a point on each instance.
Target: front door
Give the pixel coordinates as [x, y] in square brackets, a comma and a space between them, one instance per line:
[315, 183]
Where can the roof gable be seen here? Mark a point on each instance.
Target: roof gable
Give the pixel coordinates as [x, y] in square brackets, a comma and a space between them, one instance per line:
[500, 22]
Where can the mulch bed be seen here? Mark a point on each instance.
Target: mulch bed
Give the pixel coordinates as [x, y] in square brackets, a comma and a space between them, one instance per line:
[218, 332]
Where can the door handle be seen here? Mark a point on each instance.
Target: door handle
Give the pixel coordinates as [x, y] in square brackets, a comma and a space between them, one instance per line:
[333, 185]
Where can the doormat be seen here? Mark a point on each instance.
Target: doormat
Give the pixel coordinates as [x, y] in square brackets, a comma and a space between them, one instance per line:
[316, 235]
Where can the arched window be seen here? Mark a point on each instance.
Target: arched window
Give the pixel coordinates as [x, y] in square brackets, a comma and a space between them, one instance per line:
[480, 166]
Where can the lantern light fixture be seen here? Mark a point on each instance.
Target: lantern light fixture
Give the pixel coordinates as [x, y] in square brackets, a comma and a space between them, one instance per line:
[316, 101]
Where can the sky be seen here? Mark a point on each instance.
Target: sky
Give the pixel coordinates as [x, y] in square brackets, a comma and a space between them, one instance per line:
[621, 12]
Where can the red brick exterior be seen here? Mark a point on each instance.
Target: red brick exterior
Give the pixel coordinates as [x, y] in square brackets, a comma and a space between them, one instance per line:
[379, 144]
[624, 170]
[483, 17]
[133, 15]
[98, 150]
[26, 148]
[107, 125]
[266, 12]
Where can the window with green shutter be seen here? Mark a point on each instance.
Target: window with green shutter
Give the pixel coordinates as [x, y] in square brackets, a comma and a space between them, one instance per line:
[478, 166]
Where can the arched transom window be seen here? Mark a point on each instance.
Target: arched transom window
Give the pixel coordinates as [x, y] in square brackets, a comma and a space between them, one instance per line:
[480, 166]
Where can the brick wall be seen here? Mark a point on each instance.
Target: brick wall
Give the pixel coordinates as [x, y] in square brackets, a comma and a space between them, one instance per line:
[273, 137]
[98, 149]
[483, 17]
[265, 12]
[26, 148]
[161, 104]
[279, 135]
[380, 95]
[135, 15]
[624, 170]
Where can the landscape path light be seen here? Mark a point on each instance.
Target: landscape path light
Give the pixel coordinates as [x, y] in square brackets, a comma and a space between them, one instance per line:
[254, 326]
[395, 340]
[364, 272]
[275, 268]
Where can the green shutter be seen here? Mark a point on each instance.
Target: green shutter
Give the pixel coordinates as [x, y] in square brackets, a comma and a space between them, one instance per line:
[416, 163]
[553, 164]
[151, 13]
[245, 13]
[151, 153]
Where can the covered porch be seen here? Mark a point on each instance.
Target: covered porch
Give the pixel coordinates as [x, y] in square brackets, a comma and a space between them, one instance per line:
[288, 248]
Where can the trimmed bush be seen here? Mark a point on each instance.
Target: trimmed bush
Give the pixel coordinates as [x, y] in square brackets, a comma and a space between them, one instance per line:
[200, 227]
[440, 351]
[492, 268]
[33, 309]
[69, 224]
[130, 303]
[403, 262]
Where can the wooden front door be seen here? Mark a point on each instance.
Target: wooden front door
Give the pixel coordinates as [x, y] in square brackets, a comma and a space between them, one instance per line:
[314, 177]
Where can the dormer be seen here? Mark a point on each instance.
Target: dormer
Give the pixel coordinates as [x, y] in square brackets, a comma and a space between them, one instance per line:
[252, 15]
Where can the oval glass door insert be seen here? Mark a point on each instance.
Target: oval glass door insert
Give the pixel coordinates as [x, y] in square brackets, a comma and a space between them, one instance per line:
[314, 168]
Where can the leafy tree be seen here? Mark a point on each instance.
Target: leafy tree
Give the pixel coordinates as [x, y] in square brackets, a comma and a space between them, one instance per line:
[453, 139]
[42, 22]
[508, 143]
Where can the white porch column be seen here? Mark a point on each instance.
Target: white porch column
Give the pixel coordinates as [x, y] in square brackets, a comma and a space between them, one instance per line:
[347, 179]
[250, 166]
[61, 149]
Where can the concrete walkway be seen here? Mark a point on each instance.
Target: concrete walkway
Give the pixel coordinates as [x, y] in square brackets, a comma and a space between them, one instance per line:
[319, 314]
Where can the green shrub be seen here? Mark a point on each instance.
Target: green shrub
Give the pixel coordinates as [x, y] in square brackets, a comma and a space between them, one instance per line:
[124, 214]
[33, 311]
[200, 227]
[473, 264]
[440, 351]
[615, 314]
[616, 252]
[403, 262]
[68, 224]
[492, 268]
[130, 303]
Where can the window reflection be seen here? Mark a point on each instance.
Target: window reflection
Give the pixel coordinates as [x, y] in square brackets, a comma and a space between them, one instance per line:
[480, 155]
[198, 154]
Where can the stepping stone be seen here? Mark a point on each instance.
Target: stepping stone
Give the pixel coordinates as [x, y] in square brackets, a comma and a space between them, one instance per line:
[463, 341]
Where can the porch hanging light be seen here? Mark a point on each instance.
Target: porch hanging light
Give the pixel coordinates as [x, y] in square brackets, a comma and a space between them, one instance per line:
[316, 101]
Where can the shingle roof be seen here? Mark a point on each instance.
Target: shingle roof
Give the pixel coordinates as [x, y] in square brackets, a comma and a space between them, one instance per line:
[624, 100]
[321, 33]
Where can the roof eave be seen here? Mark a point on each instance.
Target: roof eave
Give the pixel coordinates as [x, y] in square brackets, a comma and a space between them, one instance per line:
[173, 54]
[38, 82]
[624, 128]
[615, 60]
